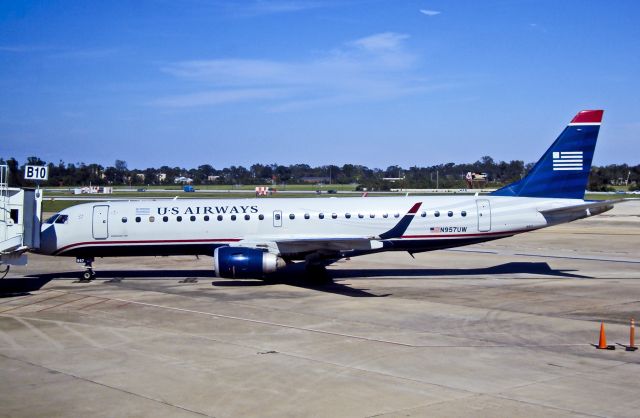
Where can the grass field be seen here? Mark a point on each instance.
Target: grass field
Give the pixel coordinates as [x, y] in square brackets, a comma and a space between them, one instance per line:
[247, 187]
[58, 205]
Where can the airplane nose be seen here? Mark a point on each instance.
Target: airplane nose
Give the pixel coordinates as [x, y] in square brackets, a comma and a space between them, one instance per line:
[48, 239]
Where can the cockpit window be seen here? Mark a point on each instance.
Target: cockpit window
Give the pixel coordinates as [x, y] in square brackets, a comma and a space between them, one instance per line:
[52, 219]
[58, 219]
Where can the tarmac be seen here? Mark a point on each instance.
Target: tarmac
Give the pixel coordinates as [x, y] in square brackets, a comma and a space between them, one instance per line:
[506, 329]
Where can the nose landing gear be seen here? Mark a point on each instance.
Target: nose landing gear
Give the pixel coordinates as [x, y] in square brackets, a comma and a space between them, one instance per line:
[88, 274]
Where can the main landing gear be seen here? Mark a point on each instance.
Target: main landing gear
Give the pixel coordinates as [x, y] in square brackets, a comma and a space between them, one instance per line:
[88, 274]
[316, 274]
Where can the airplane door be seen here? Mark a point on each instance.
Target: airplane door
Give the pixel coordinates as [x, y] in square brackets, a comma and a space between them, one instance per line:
[277, 218]
[100, 221]
[484, 215]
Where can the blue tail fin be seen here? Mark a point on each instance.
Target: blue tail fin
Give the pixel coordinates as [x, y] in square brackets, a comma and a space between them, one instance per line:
[563, 171]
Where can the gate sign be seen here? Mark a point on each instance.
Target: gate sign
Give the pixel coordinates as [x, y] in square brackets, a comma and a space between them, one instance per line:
[36, 172]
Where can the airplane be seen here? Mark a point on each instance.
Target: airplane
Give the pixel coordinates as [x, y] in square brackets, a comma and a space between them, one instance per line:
[183, 179]
[251, 238]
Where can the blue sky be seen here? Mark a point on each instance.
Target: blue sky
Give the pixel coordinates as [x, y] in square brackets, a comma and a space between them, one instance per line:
[378, 82]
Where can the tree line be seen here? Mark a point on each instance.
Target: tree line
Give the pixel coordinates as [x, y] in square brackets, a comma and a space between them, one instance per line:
[450, 175]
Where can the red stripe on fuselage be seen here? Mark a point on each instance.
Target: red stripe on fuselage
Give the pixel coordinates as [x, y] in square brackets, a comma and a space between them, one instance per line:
[170, 241]
[223, 240]
[483, 234]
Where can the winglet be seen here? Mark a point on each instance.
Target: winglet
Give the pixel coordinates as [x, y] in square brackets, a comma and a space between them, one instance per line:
[398, 230]
[414, 209]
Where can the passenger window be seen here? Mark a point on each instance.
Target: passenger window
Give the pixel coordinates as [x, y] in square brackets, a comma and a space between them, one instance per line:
[206, 218]
[436, 214]
[321, 215]
[450, 213]
[124, 219]
[385, 215]
[152, 219]
[138, 219]
[179, 218]
[277, 216]
[372, 215]
[220, 217]
[292, 216]
[306, 216]
[360, 216]
[247, 217]
[165, 219]
[193, 218]
[261, 216]
[334, 215]
[423, 214]
[463, 213]
[347, 215]
[233, 217]
[396, 215]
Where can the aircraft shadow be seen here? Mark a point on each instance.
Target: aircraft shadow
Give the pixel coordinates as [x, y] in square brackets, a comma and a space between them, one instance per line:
[330, 281]
[22, 286]
[128, 274]
[290, 276]
[327, 286]
[296, 275]
[324, 284]
[507, 268]
[35, 281]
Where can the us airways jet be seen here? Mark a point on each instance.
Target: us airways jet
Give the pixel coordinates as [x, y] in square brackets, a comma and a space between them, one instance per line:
[253, 237]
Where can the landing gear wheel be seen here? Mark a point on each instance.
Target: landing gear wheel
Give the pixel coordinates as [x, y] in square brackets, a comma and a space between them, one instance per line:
[88, 273]
[317, 275]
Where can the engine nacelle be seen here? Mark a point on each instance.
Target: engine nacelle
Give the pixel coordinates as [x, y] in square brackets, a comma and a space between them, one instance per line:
[242, 262]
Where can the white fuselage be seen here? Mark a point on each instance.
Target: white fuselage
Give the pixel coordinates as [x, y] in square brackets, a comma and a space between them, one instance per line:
[197, 226]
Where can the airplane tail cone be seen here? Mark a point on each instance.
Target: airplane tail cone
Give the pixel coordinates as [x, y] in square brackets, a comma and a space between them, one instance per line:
[602, 343]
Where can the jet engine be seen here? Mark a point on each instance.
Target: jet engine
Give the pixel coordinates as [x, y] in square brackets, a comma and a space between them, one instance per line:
[242, 262]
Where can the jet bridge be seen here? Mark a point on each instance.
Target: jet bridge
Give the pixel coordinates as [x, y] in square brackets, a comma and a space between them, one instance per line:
[20, 211]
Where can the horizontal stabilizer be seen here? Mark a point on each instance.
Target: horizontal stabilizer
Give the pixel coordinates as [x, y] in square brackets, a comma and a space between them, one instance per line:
[570, 213]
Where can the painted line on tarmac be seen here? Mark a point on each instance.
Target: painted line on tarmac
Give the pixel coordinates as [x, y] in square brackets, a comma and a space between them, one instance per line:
[105, 385]
[472, 251]
[29, 304]
[337, 334]
[566, 257]
[63, 303]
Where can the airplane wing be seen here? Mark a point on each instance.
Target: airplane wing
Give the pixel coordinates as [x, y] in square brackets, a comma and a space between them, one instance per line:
[566, 213]
[327, 245]
[322, 244]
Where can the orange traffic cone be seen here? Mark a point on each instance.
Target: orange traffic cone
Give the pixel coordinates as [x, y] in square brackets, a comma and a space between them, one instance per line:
[602, 343]
[632, 337]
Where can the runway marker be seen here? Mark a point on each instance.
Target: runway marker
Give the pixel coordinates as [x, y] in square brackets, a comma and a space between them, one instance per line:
[632, 337]
[602, 343]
